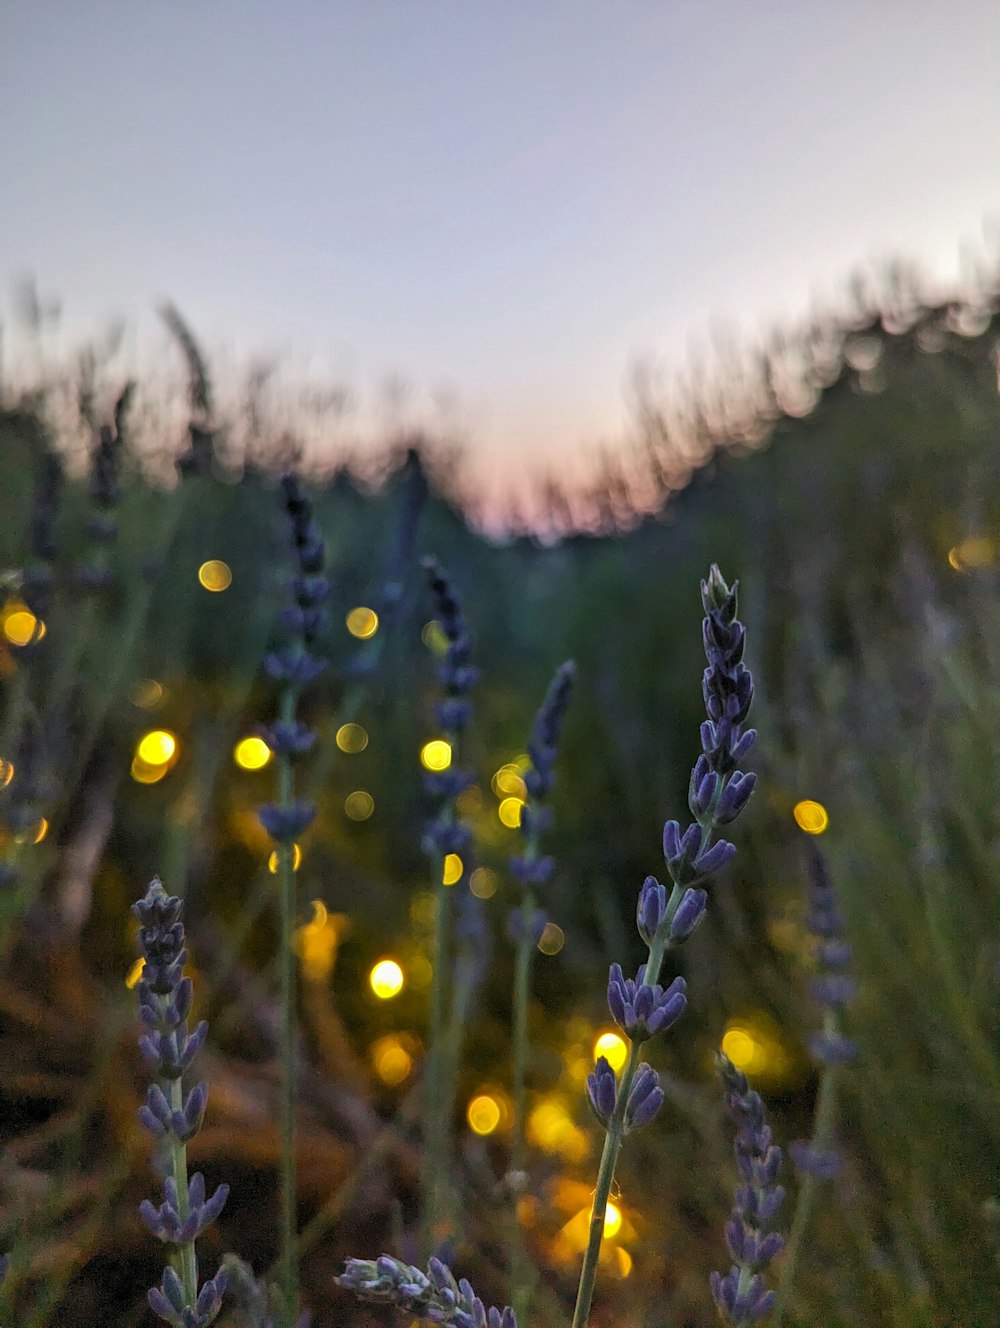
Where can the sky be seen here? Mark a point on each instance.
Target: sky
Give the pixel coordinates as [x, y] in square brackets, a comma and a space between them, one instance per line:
[503, 206]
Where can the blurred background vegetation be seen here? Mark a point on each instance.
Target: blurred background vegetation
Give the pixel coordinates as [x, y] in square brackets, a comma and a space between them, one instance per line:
[849, 478]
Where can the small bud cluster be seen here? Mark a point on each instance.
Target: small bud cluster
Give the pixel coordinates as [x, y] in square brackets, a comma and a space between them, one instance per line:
[294, 664]
[172, 1116]
[531, 868]
[832, 988]
[741, 1296]
[457, 676]
[105, 492]
[435, 1295]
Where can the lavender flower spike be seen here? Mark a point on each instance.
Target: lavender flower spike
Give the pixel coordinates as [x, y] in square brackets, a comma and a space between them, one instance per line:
[434, 1295]
[740, 1295]
[172, 1116]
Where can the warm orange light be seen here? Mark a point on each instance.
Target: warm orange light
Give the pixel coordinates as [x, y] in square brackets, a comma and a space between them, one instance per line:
[362, 622]
[386, 979]
[391, 1059]
[20, 626]
[215, 575]
[157, 748]
[551, 1128]
[135, 973]
[613, 1047]
[6, 772]
[274, 861]
[436, 754]
[317, 940]
[452, 869]
[509, 812]
[252, 753]
[811, 817]
[483, 1114]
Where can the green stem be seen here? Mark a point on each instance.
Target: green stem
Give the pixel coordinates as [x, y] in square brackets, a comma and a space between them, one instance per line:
[178, 1167]
[521, 1278]
[435, 1148]
[822, 1135]
[616, 1134]
[286, 877]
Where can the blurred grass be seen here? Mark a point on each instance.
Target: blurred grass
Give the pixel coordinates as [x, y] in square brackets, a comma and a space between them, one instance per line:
[863, 524]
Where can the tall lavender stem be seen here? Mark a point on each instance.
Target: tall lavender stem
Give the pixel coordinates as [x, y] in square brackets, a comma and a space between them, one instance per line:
[295, 666]
[174, 1116]
[531, 870]
[817, 1159]
[717, 794]
[444, 835]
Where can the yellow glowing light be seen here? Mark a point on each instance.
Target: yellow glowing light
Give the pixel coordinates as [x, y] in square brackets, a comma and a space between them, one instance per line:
[252, 753]
[147, 693]
[509, 812]
[352, 738]
[434, 637]
[20, 626]
[156, 748]
[436, 754]
[483, 883]
[483, 1114]
[612, 1221]
[508, 782]
[362, 622]
[144, 773]
[811, 817]
[317, 940]
[135, 973]
[551, 1127]
[552, 939]
[6, 772]
[40, 831]
[975, 551]
[623, 1259]
[274, 861]
[452, 870]
[391, 1059]
[215, 575]
[386, 979]
[359, 805]
[613, 1048]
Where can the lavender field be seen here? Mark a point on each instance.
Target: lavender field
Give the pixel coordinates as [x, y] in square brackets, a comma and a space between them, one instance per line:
[424, 801]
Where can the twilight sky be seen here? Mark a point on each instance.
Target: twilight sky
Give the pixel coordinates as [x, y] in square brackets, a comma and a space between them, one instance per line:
[504, 204]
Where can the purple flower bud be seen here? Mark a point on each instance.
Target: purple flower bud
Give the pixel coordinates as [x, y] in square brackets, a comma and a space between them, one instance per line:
[651, 908]
[525, 922]
[645, 1098]
[289, 737]
[734, 797]
[602, 1091]
[823, 1163]
[833, 1049]
[293, 666]
[690, 912]
[286, 823]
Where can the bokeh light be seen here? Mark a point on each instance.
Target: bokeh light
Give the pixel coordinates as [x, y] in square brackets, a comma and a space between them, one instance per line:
[452, 869]
[974, 551]
[147, 693]
[552, 939]
[434, 637]
[509, 812]
[612, 1220]
[6, 772]
[252, 753]
[551, 1127]
[20, 626]
[316, 942]
[158, 747]
[359, 805]
[811, 816]
[436, 754]
[509, 782]
[483, 1114]
[352, 738]
[483, 883]
[362, 622]
[215, 575]
[613, 1047]
[391, 1059]
[274, 862]
[135, 973]
[386, 979]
